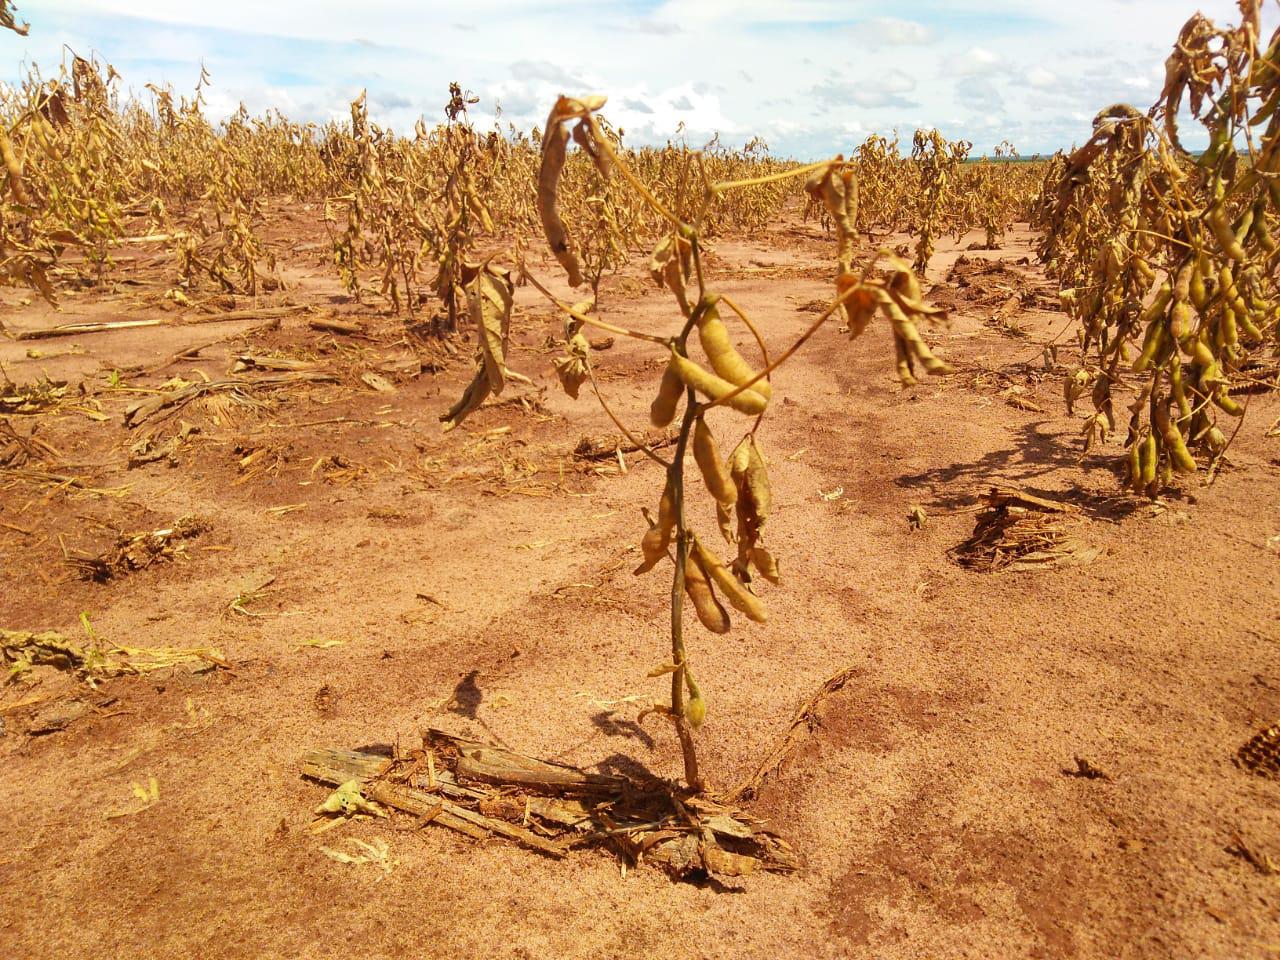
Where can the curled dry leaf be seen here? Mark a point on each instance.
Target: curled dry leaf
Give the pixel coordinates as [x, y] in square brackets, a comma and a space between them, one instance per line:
[347, 801]
[572, 367]
[490, 296]
[670, 265]
[750, 475]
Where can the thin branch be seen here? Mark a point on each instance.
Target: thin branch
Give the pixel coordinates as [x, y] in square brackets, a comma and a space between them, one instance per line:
[639, 444]
[589, 321]
[800, 341]
[630, 177]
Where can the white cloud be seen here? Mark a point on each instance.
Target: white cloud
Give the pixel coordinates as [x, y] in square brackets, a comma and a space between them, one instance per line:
[887, 89]
[1041, 78]
[980, 95]
[753, 11]
[894, 32]
[518, 102]
[896, 81]
[977, 61]
[530, 70]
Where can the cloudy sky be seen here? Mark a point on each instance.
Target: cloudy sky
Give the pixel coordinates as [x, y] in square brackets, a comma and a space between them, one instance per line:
[810, 76]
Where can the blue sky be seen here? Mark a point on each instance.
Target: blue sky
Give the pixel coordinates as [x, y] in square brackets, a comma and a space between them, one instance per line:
[810, 76]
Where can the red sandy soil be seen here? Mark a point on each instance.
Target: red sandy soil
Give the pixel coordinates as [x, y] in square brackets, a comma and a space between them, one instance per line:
[480, 582]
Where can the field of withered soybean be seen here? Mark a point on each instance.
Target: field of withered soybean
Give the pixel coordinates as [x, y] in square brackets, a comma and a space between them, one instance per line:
[460, 542]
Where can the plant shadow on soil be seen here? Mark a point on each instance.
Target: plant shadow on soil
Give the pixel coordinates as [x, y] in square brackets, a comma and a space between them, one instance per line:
[468, 696]
[1034, 455]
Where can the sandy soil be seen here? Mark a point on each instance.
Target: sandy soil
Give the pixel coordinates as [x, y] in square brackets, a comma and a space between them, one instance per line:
[480, 582]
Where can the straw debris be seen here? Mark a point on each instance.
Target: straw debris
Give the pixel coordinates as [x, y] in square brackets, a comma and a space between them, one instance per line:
[138, 551]
[23, 649]
[484, 791]
[1019, 531]
[1261, 755]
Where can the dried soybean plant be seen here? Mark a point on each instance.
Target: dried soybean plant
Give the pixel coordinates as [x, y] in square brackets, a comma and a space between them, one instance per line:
[691, 387]
[396, 211]
[87, 172]
[936, 161]
[1169, 260]
[937, 190]
[996, 194]
[460, 212]
[64, 166]
[397, 207]
[8, 18]
[888, 179]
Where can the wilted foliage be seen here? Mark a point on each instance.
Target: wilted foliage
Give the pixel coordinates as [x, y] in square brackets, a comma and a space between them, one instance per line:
[1168, 259]
[690, 385]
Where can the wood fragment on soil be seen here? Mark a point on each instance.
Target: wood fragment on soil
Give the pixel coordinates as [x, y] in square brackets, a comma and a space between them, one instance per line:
[331, 325]
[1086, 771]
[55, 717]
[803, 722]
[138, 551]
[1260, 861]
[377, 382]
[338, 766]
[78, 329]
[260, 361]
[610, 446]
[107, 326]
[18, 449]
[150, 450]
[255, 313]
[193, 352]
[482, 790]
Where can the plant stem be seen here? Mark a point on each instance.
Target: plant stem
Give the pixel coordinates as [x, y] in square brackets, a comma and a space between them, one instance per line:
[726, 185]
[675, 476]
[631, 437]
[654, 203]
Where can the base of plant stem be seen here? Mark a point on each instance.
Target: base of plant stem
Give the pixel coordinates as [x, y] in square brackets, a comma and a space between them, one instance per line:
[484, 791]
